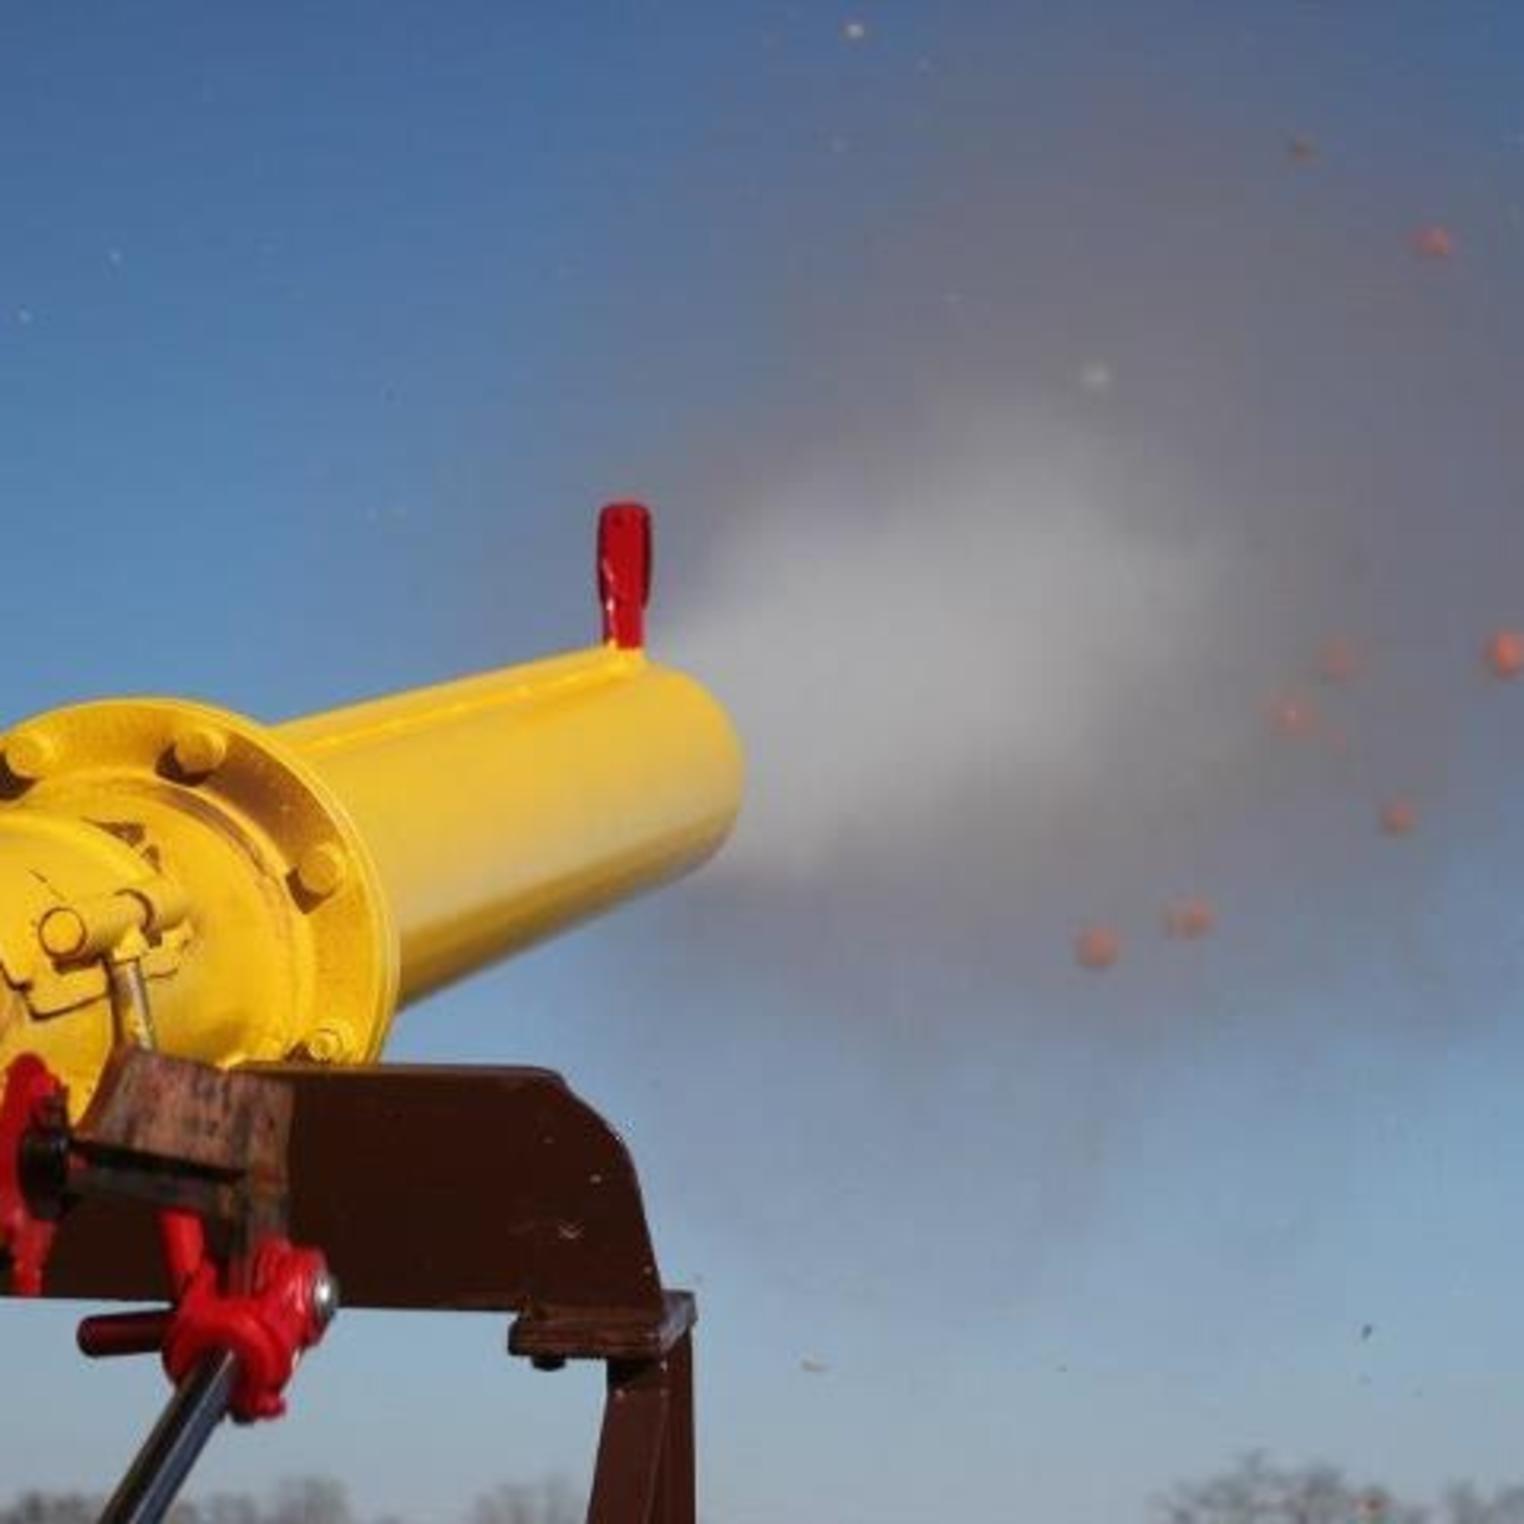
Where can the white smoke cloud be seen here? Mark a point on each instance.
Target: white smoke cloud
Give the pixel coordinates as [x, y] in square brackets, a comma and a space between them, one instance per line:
[991, 612]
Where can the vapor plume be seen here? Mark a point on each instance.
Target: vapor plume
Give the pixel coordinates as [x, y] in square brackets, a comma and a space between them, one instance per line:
[998, 627]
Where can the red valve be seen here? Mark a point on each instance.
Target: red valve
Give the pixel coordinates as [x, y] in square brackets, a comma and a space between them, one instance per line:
[267, 1328]
[291, 1300]
[32, 1097]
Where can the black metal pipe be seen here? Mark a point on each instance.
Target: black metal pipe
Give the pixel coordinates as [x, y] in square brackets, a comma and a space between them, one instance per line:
[200, 1403]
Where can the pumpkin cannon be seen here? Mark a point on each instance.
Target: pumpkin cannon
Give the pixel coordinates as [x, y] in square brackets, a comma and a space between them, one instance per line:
[207, 927]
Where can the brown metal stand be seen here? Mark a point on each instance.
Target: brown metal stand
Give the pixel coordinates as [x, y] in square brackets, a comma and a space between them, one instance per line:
[472, 1189]
[645, 1453]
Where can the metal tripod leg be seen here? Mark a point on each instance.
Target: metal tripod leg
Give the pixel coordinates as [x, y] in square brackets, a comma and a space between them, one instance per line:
[644, 1472]
[200, 1403]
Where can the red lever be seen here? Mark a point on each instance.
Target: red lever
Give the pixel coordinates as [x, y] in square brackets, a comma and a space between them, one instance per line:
[290, 1302]
[624, 572]
[110, 1334]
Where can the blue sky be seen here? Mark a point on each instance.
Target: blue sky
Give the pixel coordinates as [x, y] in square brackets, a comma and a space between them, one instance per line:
[1019, 419]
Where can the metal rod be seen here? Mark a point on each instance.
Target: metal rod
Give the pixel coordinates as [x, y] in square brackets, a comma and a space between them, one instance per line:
[154, 1481]
[130, 1005]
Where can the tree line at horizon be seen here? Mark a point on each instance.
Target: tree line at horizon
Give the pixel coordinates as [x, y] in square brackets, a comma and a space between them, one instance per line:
[311, 1500]
[1253, 1490]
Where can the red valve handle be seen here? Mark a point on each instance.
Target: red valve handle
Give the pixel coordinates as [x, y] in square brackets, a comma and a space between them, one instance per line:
[267, 1328]
[624, 572]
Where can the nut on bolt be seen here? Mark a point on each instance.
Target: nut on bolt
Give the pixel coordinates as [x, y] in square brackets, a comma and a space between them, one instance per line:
[30, 755]
[321, 870]
[63, 932]
[199, 750]
[330, 1045]
[325, 1298]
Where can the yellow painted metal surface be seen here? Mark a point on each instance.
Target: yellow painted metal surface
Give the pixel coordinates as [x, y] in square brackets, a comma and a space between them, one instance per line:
[179, 875]
[500, 808]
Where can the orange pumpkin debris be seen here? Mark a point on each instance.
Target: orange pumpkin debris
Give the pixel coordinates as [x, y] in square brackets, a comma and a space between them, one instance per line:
[1188, 919]
[1434, 241]
[1292, 716]
[1505, 653]
[1097, 947]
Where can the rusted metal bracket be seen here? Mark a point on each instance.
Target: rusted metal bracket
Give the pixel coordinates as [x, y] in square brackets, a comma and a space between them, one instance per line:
[173, 1134]
[474, 1189]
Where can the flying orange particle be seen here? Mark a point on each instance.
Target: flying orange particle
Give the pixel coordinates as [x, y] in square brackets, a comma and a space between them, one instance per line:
[1505, 653]
[1189, 919]
[1434, 241]
[1338, 661]
[1097, 947]
[1301, 150]
[1293, 717]
[1399, 817]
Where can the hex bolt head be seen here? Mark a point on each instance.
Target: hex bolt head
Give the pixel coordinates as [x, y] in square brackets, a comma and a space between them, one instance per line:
[321, 870]
[62, 932]
[325, 1298]
[199, 750]
[329, 1045]
[30, 755]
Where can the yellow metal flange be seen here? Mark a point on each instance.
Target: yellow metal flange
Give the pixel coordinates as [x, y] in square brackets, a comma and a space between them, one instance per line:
[203, 848]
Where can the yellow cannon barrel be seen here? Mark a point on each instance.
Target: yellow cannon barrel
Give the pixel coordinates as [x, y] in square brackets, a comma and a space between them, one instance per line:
[502, 807]
[183, 877]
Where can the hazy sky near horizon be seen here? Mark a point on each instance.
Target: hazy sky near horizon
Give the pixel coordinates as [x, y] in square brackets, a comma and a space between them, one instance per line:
[1021, 417]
